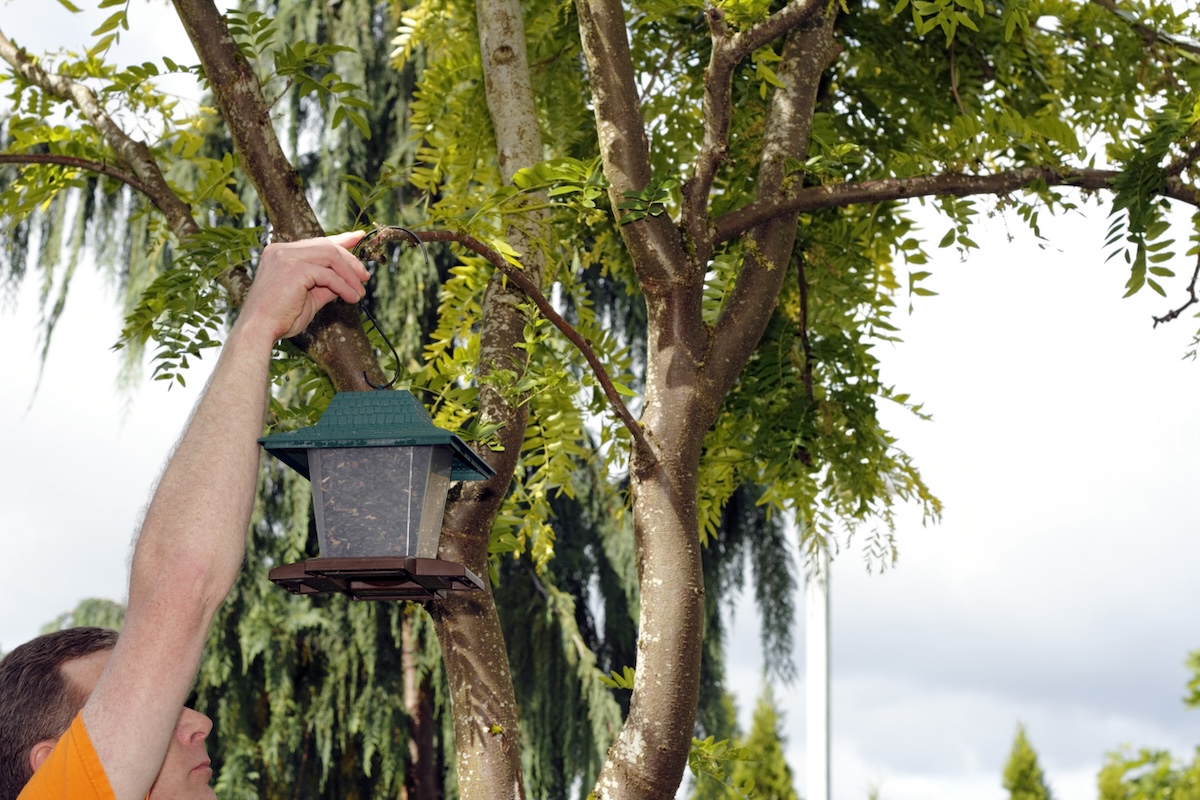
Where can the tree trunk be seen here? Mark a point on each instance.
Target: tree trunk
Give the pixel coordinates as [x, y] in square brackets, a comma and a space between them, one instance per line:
[486, 718]
[421, 781]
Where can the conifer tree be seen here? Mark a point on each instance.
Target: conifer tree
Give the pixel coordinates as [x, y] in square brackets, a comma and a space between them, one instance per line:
[1023, 778]
[766, 763]
[757, 766]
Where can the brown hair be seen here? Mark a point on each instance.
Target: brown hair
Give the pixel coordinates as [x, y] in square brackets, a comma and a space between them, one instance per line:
[37, 702]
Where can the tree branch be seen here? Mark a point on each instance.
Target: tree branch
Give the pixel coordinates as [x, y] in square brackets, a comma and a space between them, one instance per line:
[85, 164]
[728, 50]
[1192, 299]
[1176, 167]
[653, 241]
[534, 293]
[245, 111]
[807, 53]
[1149, 35]
[134, 155]
[813, 198]
[335, 339]
[141, 171]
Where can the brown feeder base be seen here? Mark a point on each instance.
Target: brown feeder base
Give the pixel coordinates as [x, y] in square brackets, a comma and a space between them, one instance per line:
[380, 578]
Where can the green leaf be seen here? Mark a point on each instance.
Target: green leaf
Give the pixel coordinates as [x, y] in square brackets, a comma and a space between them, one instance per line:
[360, 122]
[112, 23]
[101, 45]
[622, 680]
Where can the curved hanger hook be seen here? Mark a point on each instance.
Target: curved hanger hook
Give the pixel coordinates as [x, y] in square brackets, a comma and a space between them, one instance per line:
[356, 252]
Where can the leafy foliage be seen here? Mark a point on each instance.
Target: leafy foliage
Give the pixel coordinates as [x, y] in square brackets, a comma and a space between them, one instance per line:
[1149, 775]
[754, 767]
[712, 760]
[90, 612]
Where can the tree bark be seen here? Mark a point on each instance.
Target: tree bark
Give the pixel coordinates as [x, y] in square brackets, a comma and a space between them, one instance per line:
[486, 718]
[650, 753]
[421, 781]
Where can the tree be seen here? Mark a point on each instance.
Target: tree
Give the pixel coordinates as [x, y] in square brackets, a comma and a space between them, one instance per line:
[1149, 775]
[740, 171]
[1023, 777]
[768, 767]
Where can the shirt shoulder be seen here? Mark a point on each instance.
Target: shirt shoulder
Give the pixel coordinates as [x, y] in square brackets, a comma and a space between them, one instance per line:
[72, 772]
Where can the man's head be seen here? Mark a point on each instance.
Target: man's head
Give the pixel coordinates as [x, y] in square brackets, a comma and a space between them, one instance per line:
[37, 698]
[43, 685]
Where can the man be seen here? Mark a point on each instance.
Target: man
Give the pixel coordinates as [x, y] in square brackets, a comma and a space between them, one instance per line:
[133, 738]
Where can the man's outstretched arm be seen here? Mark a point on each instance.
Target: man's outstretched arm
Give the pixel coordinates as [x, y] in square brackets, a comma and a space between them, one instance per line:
[191, 544]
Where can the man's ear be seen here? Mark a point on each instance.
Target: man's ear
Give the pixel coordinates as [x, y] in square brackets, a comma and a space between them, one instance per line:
[40, 752]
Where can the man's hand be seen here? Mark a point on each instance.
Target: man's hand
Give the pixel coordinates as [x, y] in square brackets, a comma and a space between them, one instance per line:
[295, 279]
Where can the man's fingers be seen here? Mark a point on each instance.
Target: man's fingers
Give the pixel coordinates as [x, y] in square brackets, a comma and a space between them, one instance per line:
[347, 239]
[329, 264]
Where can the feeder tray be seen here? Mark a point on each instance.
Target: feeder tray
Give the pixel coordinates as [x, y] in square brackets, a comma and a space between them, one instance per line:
[377, 578]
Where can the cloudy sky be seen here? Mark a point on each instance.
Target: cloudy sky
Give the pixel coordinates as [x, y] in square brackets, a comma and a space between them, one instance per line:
[1058, 591]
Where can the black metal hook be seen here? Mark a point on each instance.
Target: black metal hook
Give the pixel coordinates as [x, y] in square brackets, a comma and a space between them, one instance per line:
[355, 251]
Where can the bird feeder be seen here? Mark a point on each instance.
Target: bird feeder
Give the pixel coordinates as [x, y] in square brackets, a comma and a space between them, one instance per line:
[380, 470]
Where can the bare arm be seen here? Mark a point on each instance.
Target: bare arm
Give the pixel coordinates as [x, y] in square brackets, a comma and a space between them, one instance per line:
[191, 544]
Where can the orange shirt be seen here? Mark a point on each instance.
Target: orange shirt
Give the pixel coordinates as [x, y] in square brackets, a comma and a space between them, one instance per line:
[72, 772]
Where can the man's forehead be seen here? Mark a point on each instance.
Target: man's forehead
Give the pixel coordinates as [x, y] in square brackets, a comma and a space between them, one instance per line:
[84, 671]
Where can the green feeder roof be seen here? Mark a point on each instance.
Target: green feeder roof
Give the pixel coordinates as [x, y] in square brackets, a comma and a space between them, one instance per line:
[375, 419]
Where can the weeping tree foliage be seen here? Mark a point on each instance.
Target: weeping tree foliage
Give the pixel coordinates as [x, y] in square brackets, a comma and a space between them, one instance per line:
[668, 239]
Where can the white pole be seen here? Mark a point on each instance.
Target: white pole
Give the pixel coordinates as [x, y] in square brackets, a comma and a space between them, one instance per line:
[816, 675]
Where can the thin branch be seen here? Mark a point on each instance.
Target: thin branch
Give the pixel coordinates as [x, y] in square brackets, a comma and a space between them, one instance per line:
[954, 82]
[1189, 156]
[813, 198]
[1192, 299]
[85, 164]
[787, 19]
[1149, 35]
[531, 290]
